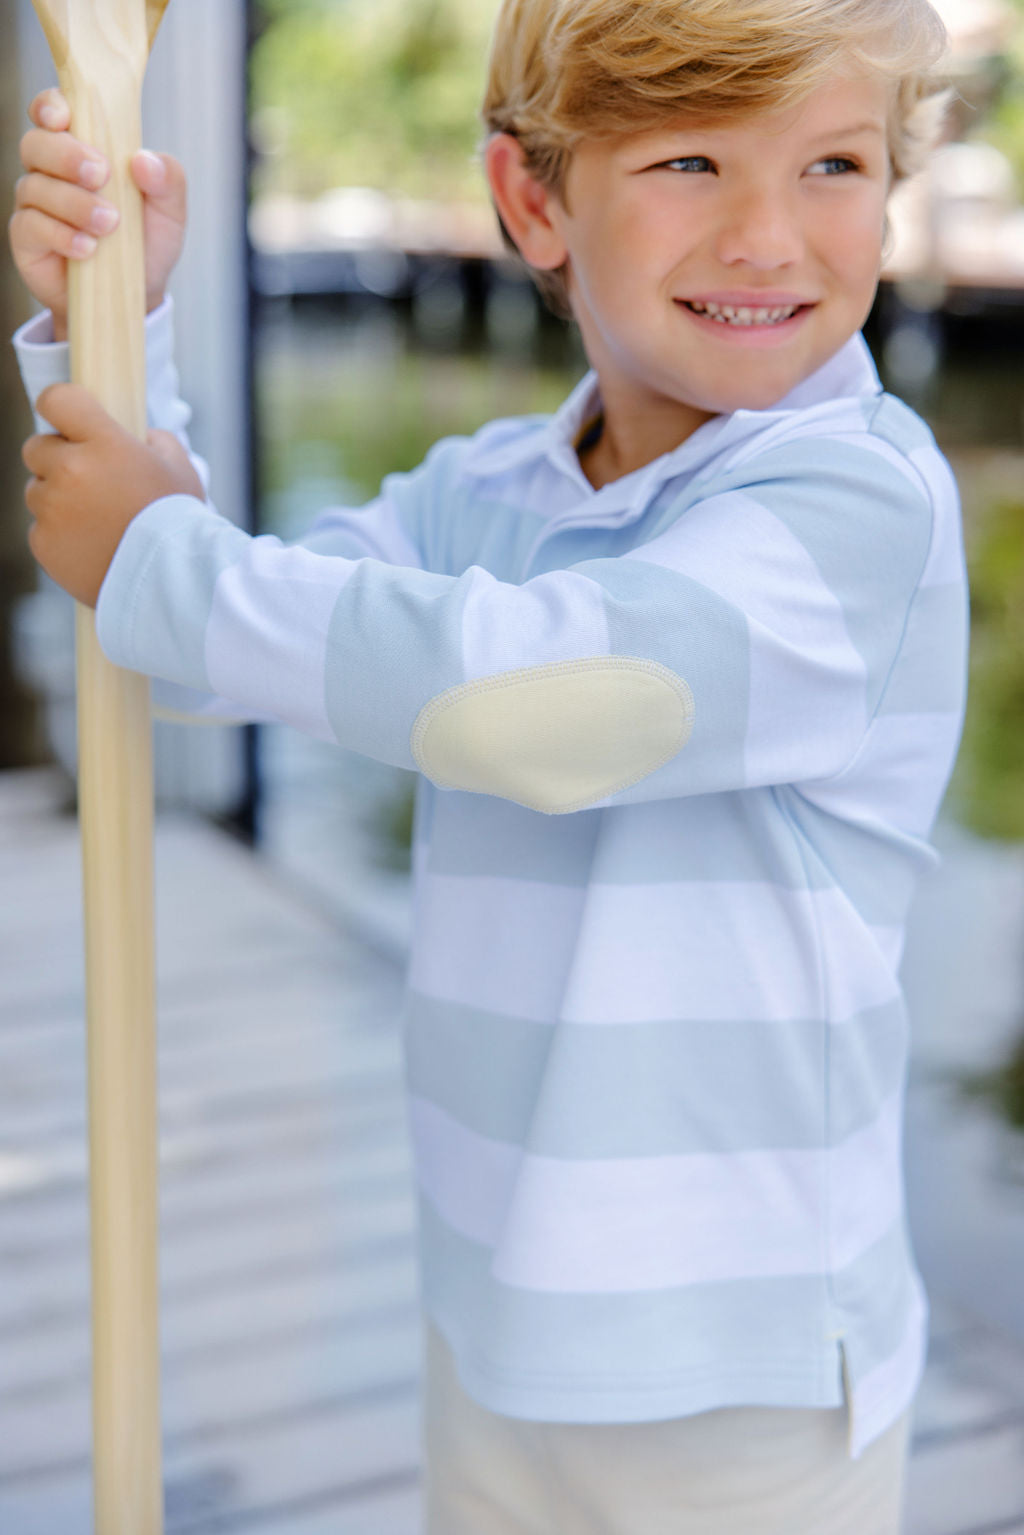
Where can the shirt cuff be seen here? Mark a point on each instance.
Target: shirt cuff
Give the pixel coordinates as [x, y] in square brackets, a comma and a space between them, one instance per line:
[44, 361]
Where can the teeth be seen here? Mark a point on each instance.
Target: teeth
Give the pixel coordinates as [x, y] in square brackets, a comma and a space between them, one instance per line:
[727, 314]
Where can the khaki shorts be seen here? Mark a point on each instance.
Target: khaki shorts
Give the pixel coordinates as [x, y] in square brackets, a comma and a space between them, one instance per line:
[734, 1471]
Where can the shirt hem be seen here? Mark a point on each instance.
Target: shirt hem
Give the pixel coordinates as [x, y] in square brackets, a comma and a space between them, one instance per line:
[638, 1399]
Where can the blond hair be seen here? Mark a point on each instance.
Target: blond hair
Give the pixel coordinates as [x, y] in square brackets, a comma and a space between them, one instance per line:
[562, 69]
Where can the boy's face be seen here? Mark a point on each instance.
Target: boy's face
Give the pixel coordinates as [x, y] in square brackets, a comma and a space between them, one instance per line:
[785, 209]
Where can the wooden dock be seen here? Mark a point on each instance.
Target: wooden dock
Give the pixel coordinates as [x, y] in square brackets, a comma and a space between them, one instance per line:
[290, 1331]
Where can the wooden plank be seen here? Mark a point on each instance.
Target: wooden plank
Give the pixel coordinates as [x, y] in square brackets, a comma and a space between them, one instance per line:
[396, 1513]
[43, 1084]
[259, 1292]
[215, 1393]
[318, 1170]
[42, 1217]
[967, 1484]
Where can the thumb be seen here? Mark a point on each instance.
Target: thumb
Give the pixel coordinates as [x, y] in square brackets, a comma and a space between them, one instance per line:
[170, 452]
[168, 449]
[74, 412]
[161, 178]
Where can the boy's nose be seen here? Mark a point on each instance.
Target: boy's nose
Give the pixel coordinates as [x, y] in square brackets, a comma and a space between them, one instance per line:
[761, 232]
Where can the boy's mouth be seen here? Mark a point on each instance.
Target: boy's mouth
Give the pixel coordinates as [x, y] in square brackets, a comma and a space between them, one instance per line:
[744, 317]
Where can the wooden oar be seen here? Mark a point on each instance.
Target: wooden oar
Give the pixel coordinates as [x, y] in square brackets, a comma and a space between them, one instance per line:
[101, 48]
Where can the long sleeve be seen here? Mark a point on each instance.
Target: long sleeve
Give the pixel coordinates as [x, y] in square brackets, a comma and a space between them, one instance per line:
[44, 361]
[374, 530]
[749, 644]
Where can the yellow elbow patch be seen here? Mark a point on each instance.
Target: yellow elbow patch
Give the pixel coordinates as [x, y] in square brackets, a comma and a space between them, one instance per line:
[555, 738]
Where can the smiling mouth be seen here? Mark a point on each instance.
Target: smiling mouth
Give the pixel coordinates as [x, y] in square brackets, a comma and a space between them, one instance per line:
[745, 318]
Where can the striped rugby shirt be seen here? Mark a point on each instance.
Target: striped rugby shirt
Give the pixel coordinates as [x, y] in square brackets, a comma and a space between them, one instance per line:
[682, 742]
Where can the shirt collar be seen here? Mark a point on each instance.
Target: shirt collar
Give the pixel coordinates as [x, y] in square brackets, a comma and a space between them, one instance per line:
[849, 374]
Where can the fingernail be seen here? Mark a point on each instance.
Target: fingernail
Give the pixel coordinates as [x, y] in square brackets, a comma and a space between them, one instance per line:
[93, 173]
[104, 218]
[51, 118]
[83, 245]
[154, 165]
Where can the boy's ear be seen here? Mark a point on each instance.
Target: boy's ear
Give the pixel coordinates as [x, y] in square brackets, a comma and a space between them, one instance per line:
[524, 205]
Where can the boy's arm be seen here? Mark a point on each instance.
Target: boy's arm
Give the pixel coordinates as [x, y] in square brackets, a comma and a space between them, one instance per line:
[751, 644]
[376, 530]
[44, 361]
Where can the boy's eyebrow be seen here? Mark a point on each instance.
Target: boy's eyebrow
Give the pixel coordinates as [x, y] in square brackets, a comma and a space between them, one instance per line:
[849, 133]
[713, 130]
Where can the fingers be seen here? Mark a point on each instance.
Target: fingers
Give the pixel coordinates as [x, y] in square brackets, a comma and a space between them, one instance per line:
[50, 109]
[74, 412]
[162, 180]
[38, 455]
[60, 154]
[73, 210]
[166, 447]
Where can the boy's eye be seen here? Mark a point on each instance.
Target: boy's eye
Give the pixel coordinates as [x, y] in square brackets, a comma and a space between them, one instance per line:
[842, 162]
[687, 163]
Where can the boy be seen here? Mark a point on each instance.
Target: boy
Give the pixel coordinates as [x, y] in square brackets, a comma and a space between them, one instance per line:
[682, 670]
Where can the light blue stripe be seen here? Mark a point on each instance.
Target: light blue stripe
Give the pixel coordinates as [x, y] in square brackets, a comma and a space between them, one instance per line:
[628, 1358]
[735, 837]
[574, 546]
[875, 1296]
[902, 428]
[657, 612]
[469, 531]
[481, 835]
[394, 642]
[164, 634]
[930, 676]
[876, 870]
[654, 1089]
[455, 525]
[821, 493]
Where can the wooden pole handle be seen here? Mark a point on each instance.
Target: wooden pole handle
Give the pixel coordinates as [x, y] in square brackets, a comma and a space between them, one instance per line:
[101, 48]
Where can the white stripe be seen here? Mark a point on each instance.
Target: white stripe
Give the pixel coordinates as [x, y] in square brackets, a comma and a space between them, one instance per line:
[615, 954]
[871, 443]
[866, 1184]
[834, 418]
[266, 639]
[629, 1224]
[469, 1179]
[901, 772]
[557, 617]
[801, 654]
[497, 944]
[740, 550]
[378, 527]
[881, 1396]
[891, 940]
[946, 560]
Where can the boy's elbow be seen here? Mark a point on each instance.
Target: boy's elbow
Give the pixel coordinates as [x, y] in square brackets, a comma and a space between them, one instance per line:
[558, 738]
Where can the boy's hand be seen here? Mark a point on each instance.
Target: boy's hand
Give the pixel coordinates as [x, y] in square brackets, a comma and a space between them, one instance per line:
[56, 203]
[90, 482]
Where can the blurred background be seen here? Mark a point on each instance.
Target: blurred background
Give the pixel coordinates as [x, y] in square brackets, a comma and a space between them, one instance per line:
[343, 302]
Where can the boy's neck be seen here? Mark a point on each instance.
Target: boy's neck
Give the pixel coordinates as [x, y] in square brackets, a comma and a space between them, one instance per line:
[634, 434]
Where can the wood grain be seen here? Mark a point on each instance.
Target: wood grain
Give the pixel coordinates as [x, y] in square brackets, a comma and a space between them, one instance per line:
[101, 48]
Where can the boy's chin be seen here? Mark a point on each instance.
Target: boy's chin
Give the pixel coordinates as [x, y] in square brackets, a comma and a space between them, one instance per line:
[764, 394]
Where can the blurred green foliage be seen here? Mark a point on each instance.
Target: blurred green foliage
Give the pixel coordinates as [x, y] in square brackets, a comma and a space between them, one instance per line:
[989, 786]
[1004, 124]
[1003, 1088]
[370, 93]
[386, 94]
